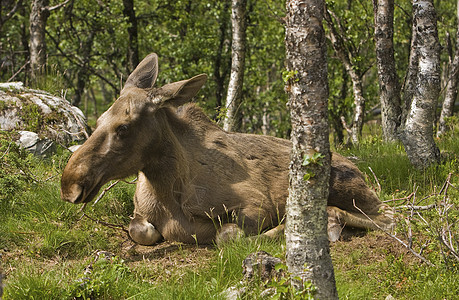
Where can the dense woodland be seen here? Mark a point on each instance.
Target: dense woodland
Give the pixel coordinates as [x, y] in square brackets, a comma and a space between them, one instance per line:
[85, 49]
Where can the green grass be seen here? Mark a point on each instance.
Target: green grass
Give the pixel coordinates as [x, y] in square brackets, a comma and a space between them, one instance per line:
[46, 244]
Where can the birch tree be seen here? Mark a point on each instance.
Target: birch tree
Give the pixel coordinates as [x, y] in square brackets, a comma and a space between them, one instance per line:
[233, 98]
[336, 37]
[417, 136]
[39, 14]
[308, 253]
[451, 87]
[389, 90]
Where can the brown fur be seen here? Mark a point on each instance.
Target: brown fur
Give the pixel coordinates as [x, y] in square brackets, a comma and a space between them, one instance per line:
[194, 177]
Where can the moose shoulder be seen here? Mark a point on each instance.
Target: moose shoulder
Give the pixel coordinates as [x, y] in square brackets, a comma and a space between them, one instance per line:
[193, 177]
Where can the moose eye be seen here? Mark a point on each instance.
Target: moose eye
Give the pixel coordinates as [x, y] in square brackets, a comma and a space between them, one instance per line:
[122, 130]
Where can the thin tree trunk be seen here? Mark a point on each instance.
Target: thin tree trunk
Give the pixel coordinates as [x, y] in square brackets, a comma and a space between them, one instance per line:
[359, 100]
[409, 85]
[233, 98]
[83, 71]
[451, 87]
[133, 48]
[220, 69]
[389, 89]
[308, 252]
[39, 14]
[417, 135]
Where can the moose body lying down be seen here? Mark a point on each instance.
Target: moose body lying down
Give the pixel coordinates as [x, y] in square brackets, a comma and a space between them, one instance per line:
[194, 177]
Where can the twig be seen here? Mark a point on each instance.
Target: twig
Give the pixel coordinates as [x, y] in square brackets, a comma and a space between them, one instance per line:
[104, 191]
[101, 195]
[18, 71]
[376, 179]
[416, 207]
[422, 258]
[113, 226]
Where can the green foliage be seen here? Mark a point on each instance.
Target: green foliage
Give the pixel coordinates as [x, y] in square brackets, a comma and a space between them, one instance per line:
[14, 168]
[284, 289]
[289, 75]
[103, 280]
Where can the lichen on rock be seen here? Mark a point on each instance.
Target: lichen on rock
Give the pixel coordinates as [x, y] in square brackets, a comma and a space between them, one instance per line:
[49, 116]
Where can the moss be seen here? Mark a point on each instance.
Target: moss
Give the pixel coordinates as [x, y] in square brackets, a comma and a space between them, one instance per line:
[32, 117]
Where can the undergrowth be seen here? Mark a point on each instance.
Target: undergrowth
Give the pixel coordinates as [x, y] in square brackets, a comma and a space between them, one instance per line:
[46, 245]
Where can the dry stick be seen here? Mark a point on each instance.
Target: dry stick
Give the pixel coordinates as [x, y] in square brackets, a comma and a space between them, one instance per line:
[101, 195]
[400, 199]
[395, 238]
[376, 179]
[113, 226]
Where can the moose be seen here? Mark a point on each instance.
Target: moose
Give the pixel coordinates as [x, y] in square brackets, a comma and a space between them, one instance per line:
[196, 181]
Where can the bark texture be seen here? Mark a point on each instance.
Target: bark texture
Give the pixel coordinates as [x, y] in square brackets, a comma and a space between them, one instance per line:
[345, 56]
[39, 14]
[133, 49]
[389, 89]
[233, 99]
[451, 87]
[417, 135]
[308, 253]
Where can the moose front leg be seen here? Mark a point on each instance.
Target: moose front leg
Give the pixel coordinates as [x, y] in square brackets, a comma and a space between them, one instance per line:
[143, 232]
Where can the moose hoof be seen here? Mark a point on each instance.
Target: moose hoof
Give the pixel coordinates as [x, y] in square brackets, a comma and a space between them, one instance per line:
[334, 233]
[143, 232]
[228, 232]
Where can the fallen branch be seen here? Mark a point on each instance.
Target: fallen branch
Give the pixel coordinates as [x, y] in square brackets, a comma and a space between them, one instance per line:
[422, 258]
[415, 207]
[113, 226]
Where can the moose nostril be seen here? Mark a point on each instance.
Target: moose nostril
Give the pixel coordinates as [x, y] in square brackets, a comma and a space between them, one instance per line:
[74, 194]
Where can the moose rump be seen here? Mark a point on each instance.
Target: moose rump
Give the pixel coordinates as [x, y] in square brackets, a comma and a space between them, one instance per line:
[193, 177]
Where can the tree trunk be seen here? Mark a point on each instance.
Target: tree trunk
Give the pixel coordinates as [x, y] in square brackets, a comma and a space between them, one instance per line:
[83, 70]
[417, 135]
[389, 90]
[359, 100]
[234, 95]
[409, 85]
[220, 65]
[133, 48]
[308, 253]
[451, 87]
[39, 14]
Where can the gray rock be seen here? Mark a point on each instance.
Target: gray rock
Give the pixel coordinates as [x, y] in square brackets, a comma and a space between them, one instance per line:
[52, 118]
[34, 144]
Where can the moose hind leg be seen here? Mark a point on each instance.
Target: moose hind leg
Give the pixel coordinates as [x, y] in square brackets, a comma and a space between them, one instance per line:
[143, 232]
[338, 218]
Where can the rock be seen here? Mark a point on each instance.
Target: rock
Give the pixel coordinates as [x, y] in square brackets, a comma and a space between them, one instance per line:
[52, 118]
[32, 143]
[262, 265]
[233, 293]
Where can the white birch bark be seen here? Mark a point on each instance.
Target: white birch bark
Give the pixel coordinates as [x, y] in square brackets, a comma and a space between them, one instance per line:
[417, 135]
[308, 253]
[389, 90]
[451, 87]
[234, 94]
[39, 14]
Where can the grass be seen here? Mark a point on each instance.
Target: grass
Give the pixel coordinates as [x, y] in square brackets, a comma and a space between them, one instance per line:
[46, 245]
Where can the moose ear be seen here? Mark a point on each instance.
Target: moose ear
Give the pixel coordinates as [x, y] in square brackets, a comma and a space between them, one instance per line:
[144, 76]
[180, 92]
